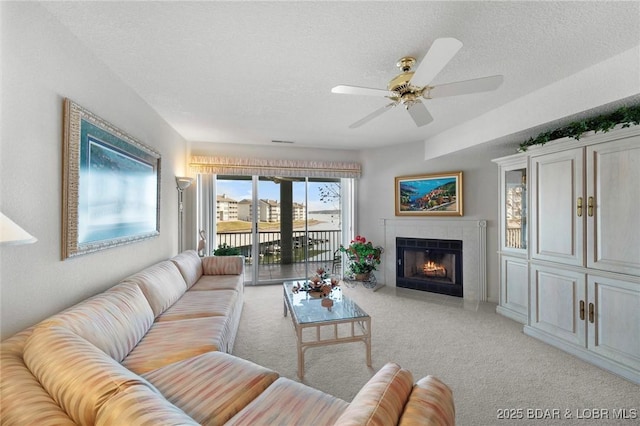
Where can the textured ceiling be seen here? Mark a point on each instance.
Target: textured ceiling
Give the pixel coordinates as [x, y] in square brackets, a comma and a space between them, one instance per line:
[252, 72]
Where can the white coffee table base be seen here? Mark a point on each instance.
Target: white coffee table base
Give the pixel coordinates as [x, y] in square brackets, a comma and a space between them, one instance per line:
[360, 331]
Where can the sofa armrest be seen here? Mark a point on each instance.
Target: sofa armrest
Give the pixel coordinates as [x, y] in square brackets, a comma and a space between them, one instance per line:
[430, 403]
[24, 400]
[381, 400]
[223, 265]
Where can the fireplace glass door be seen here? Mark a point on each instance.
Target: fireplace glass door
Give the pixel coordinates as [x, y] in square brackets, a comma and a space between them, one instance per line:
[430, 265]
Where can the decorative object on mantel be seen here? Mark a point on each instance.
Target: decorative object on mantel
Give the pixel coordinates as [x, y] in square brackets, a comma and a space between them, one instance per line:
[363, 257]
[438, 194]
[602, 123]
[104, 169]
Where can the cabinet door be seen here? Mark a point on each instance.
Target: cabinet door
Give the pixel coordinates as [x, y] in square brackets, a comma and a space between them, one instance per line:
[557, 226]
[555, 303]
[614, 326]
[613, 189]
[513, 214]
[514, 288]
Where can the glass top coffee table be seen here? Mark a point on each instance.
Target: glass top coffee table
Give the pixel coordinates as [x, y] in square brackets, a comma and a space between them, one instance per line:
[335, 318]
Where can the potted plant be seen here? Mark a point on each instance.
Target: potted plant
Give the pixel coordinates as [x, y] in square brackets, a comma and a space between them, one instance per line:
[363, 257]
[226, 250]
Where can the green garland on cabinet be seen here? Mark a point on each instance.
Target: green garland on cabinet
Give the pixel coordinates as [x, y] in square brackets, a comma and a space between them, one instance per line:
[602, 123]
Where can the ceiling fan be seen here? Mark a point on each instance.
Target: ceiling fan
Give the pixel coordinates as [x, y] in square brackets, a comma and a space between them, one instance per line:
[409, 87]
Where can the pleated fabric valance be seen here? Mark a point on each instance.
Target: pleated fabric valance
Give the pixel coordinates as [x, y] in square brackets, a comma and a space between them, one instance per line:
[273, 167]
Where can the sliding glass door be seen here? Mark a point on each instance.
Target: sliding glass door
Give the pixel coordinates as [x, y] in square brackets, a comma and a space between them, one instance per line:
[286, 227]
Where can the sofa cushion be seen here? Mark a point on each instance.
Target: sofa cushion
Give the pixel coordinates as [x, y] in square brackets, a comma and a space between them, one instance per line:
[213, 387]
[223, 265]
[167, 342]
[15, 344]
[219, 282]
[190, 266]
[113, 321]
[381, 400]
[20, 389]
[430, 403]
[286, 402]
[140, 406]
[197, 304]
[162, 284]
[79, 376]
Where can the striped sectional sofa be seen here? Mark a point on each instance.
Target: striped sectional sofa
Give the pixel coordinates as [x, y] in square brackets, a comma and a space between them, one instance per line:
[155, 350]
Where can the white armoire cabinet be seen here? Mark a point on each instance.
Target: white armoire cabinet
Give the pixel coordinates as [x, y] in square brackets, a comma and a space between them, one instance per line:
[582, 263]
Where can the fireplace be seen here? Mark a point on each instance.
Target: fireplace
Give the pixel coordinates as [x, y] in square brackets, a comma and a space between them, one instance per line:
[429, 265]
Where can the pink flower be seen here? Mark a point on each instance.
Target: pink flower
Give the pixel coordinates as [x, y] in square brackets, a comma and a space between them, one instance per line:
[363, 256]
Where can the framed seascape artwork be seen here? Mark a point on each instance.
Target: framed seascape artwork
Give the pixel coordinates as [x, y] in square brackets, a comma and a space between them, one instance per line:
[111, 185]
[438, 194]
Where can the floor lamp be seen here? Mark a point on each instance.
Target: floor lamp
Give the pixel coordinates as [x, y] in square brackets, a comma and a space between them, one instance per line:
[11, 234]
[182, 184]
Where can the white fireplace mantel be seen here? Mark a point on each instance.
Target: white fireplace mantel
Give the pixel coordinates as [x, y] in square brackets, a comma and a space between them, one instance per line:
[472, 233]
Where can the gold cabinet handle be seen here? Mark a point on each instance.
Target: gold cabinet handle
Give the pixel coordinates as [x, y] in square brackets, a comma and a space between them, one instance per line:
[591, 313]
[582, 310]
[590, 207]
[579, 207]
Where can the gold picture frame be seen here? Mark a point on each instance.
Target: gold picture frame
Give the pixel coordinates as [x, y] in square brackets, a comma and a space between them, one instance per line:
[110, 185]
[435, 194]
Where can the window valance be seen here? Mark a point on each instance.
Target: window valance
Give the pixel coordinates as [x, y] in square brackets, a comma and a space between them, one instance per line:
[273, 167]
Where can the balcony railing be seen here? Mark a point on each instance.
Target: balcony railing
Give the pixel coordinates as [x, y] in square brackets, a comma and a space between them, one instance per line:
[514, 238]
[318, 246]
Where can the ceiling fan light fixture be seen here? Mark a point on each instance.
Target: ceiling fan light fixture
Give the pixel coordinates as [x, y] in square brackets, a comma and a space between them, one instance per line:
[400, 89]
[410, 98]
[406, 63]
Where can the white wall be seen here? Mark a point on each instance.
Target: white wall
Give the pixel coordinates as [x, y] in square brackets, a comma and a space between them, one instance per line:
[42, 63]
[480, 191]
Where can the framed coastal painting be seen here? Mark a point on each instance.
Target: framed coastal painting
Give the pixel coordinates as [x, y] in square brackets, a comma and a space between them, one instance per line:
[438, 194]
[111, 185]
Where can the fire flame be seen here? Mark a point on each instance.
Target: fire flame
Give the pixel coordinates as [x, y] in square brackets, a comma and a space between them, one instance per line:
[432, 268]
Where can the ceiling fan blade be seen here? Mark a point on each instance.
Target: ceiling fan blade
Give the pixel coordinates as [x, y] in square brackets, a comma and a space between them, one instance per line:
[355, 90]
[373, 115]
[476, 85]
[441, 52]
[420, 114]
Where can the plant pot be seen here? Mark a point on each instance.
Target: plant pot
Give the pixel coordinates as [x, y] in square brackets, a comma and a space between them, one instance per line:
[363, 277]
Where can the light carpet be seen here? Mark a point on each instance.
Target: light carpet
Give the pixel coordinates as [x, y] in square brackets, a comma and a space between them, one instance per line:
[491, 366]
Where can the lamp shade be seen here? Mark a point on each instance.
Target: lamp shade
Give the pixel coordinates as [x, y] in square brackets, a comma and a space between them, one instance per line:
[12, 234]
[183, 182]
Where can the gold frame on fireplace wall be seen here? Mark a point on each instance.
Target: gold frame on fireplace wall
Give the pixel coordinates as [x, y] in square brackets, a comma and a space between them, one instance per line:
[415, 196]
